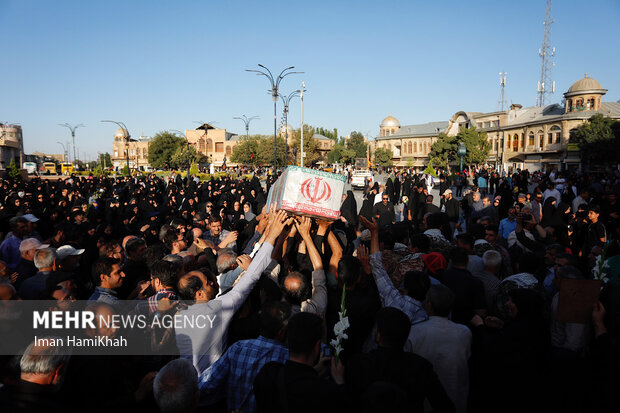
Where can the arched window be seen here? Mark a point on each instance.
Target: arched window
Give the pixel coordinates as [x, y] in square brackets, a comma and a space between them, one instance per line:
[556, 133]
[579, 104]
[209, 145]
[410, 147]
[591, 104]
[541, 138]
[515, 142]
[530, 139]
[569, 105]
[415, 146]
[201, 145]
[228, 151]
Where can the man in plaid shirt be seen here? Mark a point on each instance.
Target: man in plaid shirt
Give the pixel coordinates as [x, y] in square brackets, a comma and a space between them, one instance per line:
[163, 279]
[232, 376]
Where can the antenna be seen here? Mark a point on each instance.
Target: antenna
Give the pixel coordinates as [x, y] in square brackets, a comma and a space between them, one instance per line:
[502, 84]
[546, 86]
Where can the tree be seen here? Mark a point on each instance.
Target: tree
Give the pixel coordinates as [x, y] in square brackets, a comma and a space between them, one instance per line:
[356, 143]
[599, 139]
[383, 157]
[340, 154]
[246, 152]
[444, 150]
[331, 134]
[162, 148]
[183, 157]
[311, 153]
[104, 160]
[14, 172]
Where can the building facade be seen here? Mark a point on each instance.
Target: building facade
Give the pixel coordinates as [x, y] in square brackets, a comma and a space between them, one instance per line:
[11, 145]
[533, 138]
[216, 144]
[138, 150]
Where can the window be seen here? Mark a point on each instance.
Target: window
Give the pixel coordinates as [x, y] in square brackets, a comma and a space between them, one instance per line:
[522, 140]
[579, 104]
[569, 104]
[486, 124]
[219, 147]
[116, 154]
[209, 145]
[144, 152]
[530, 139]
[556, 131]
[415, 146]
[131, 152]
[541, 138]
[515, 143]
[228, 151]
[201, 145]
[549, 138]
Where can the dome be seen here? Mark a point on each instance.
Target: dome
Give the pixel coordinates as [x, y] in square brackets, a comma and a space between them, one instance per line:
[585, 85]
[390, 122]
[120, 134]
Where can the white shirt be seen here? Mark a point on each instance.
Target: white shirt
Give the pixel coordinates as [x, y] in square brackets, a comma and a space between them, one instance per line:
[447, 345]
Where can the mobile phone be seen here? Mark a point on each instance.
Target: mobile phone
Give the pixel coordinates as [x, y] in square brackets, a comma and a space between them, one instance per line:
[326, 350]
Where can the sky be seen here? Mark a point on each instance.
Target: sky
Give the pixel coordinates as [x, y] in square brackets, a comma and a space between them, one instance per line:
[161, 65]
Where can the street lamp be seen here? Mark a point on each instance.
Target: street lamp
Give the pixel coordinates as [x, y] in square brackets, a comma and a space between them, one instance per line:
[247, 121]
[64, 151]
[461, 152]
[212, 122]
[275, 84]
[286, 100]
[189, 161]
[301, 96]
[72, 129]
[127, 140]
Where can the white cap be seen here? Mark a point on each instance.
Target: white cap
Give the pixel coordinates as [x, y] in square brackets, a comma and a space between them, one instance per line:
[31, 244]
[31, 218]
[66, 250]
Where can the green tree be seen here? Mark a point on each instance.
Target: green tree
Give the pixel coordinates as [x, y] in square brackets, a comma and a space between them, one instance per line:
[104, 160]
[356, 143]
[335, 154]
[246, 152]
[311, 152]
[14, 172]
[163, 146]
[183, 157]
[444, 150]
[383, 157]
[599, 140]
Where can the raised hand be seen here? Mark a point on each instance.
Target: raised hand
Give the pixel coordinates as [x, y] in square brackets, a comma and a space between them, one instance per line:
[244, 261]
[372, 226]
[362, 255]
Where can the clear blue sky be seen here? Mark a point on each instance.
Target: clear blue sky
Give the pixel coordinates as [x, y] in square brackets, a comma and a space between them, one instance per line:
[158, 65]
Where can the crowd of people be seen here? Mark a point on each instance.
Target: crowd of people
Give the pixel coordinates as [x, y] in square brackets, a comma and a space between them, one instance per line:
[451, 305]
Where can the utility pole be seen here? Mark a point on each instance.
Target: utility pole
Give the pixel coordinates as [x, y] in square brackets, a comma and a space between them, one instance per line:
[301, 95]
[546, 86]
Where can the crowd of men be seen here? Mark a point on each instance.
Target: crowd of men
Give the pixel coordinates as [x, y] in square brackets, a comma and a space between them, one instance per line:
[452, 304]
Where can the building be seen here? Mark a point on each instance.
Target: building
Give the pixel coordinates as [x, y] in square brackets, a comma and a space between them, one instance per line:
[138, 151]
[323, 145]
[11, 145]
[59, 157]
[533, 138]
[410, 144]
[216, 144]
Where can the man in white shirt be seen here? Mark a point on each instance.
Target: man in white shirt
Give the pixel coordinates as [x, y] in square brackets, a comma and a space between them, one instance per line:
[551, 191]
[445, 344]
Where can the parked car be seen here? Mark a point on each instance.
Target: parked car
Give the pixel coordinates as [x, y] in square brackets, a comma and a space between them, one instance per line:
[30, 167]
[360, 178]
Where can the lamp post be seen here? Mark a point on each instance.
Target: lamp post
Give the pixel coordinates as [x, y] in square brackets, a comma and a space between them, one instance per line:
[286, 100]
[64, 150]
[206, 137]
[275, 84]
[461, 152]
[189, 161]
[72, 129]
[247, 121]
[301, 96]
[127, 140]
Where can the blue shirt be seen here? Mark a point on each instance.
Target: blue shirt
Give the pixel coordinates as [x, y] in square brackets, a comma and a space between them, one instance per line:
[10, 251]
[236, 370]
[482, 182]
[506, 227]
[105, 295]
[32, 287]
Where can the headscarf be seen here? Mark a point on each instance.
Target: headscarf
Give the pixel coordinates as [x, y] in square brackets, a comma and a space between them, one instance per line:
[349, 209]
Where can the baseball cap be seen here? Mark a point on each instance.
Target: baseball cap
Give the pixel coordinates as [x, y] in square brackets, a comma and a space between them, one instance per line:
[31, 244]
[31, 218]
[447, 191]
[66, 250]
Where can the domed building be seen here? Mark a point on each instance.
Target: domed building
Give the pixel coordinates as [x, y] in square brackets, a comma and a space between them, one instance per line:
[389, 126]
[584, 94]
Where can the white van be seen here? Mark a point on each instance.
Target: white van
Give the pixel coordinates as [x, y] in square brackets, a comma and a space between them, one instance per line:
[30, 167]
